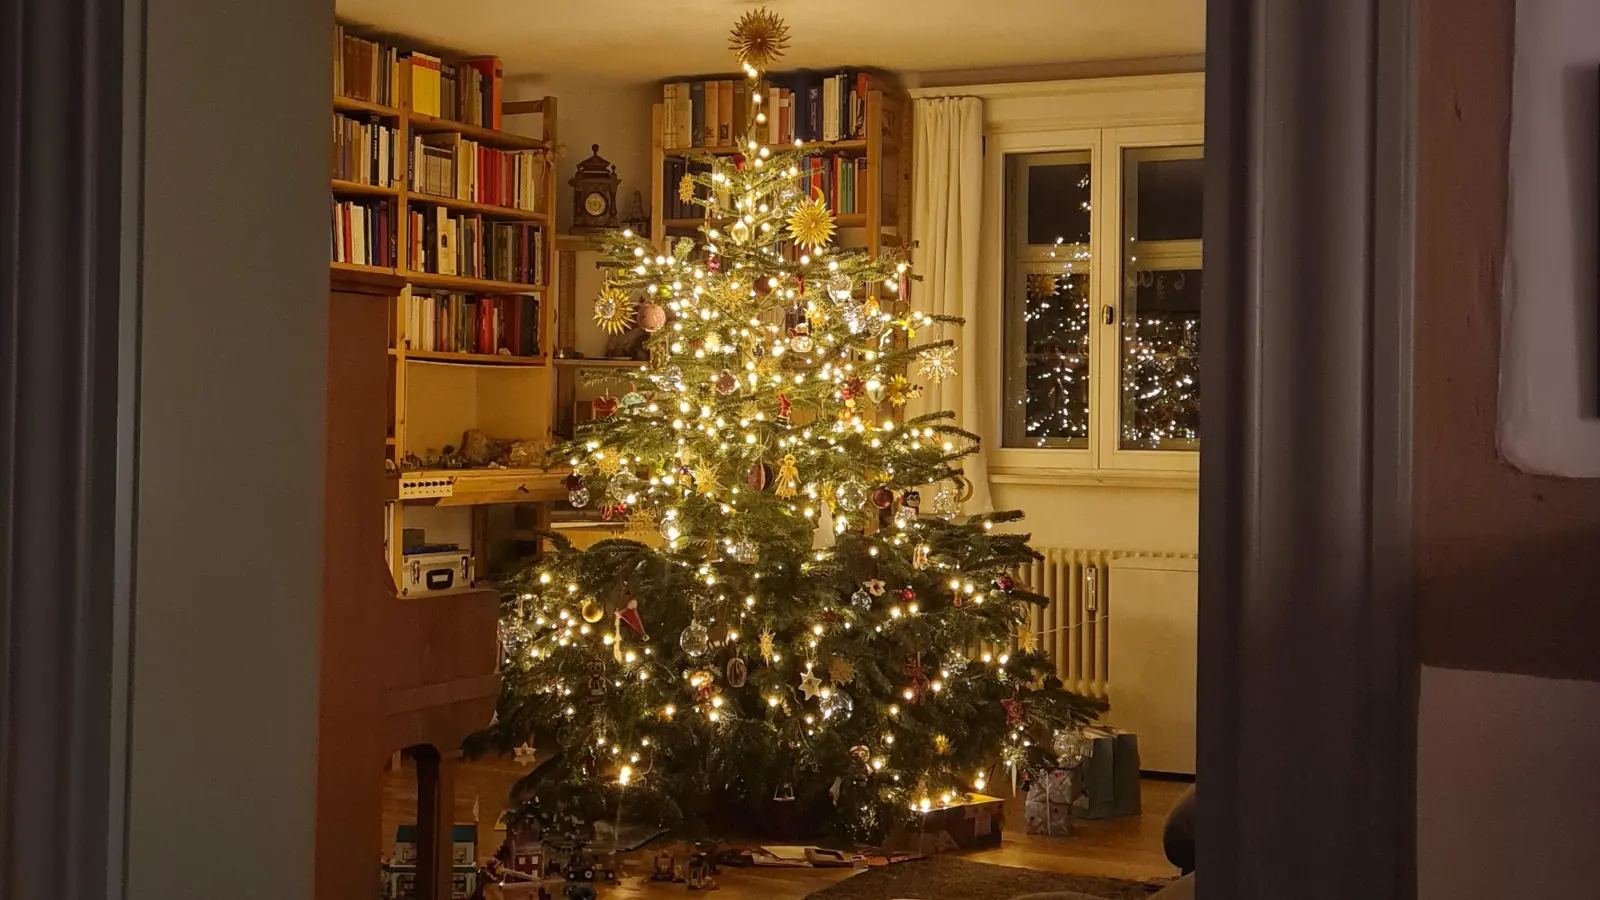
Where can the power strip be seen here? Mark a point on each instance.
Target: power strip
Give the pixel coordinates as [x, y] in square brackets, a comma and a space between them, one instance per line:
[427, 488]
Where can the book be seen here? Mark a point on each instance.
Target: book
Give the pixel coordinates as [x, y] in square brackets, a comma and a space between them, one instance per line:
[697, 101]
[743, 116]
[725, 135]
[362, 232]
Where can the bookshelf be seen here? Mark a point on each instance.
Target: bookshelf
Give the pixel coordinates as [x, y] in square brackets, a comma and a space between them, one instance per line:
[493, 193]
[881, 190]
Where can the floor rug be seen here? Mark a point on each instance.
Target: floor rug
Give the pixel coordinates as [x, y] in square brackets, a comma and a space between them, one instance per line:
[947, 878]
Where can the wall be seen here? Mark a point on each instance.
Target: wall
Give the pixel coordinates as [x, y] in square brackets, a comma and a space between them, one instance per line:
[232, 360]
[615, 115]
[1506, 562]
[1106, 517]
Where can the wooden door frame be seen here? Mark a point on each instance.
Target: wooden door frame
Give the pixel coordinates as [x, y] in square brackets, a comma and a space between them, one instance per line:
[1308, 670]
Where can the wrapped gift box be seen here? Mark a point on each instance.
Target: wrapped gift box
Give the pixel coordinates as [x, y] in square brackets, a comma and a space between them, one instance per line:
[1049, 805]
[967, 825]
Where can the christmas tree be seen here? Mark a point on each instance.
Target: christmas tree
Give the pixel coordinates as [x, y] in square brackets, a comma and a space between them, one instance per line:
[781, 621]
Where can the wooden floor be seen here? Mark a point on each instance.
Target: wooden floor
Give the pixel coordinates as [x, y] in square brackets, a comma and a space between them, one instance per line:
[1114, 848]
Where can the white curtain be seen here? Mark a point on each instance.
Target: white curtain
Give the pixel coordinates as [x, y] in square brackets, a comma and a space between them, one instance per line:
[947, 201]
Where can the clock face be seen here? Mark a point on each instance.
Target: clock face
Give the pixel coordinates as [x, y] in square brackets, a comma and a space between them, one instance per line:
[595, 203]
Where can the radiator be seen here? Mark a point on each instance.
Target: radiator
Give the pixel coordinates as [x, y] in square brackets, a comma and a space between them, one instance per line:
[1074, 629]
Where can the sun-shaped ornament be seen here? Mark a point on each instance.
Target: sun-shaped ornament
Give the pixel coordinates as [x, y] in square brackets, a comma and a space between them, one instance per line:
[811, 223]
[686, 188]
[614, 310]
[1041, 285]
[759, 38]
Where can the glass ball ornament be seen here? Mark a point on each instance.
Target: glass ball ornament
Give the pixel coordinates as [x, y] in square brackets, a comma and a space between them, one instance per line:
[945, 505]
[652, 316]
[578, 498]
[739, 231]
[671, 378]
[905, 517]
[605, 307]
[956, 662]
[836, 705]
[670, 530]
[876, 390]
[855, 317]
[852, 494]
[1071, 747]
[861, 599]
[621, 485]
[695, 640]
[726, 382]
[840, 288]
[801, 342]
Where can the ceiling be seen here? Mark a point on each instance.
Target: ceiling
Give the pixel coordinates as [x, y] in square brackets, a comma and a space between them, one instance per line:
[644, 40]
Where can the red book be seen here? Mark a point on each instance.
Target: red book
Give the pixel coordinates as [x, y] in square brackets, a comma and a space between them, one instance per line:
[485, 327]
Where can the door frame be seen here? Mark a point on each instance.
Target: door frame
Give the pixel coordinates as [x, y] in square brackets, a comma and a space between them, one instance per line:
[1308, 670]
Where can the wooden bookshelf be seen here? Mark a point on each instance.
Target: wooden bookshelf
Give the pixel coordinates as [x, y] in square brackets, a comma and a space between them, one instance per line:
[601, 363]
[883, 194]
[463, 284]
[358, 189]
[486, 209]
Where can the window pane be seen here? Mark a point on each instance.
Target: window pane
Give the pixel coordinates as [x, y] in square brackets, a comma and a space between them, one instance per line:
[1047, 300]
[1162, 271]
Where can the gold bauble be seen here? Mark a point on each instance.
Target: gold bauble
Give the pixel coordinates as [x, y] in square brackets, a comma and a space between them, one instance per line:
[591, 611]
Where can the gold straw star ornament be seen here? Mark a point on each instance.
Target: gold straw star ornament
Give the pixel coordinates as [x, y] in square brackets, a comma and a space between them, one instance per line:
[759, 38]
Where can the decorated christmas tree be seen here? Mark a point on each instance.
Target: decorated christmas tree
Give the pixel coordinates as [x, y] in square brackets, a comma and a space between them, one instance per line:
[784, 620]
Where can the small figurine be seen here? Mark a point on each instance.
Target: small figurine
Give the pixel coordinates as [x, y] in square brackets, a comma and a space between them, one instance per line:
[664, 867]
[700, 872]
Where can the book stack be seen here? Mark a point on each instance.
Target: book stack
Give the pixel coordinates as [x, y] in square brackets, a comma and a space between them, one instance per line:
[365, 69]
[449, 165]
[363, 232]
[805, 106]
[469, 246]
[467, 91]
[363, 150]
[467, 323]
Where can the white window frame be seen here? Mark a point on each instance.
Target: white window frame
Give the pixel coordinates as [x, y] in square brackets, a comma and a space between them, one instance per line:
[1103, 116]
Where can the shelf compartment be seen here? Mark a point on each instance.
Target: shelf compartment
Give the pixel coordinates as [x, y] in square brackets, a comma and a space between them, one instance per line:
[473, 359]
[357, 188]
[475, 487]
[352, 105]
[730, 149]
[602, 363]
[469, 285]
[498, 139]
[487, 209]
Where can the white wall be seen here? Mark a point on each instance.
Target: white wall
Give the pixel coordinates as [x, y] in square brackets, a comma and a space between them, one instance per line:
[615, 115]
[1105, 517]
[1508, 799]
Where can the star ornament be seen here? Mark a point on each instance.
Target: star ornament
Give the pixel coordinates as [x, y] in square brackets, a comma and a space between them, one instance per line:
[614, 310]
[767, 650]
[759, 38]
[686, 188]
[811, 223]
[524, 754]
[810, 685]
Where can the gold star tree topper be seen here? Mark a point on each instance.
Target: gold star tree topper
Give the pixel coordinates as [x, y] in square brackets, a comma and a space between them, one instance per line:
[759, 38]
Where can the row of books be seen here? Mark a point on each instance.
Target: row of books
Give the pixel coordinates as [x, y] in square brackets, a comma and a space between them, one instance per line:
[805, 106]
[365, 69]
[467, 245]
[673, 206]
[466, 91]
[363, 232]
[835, 176]
[449, 165]
[468, 323]
[363, 151]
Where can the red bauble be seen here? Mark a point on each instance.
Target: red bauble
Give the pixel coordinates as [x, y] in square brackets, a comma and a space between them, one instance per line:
[883, 498]
[908, 594]
[574, 482]
[604, 407]
[1004, 583]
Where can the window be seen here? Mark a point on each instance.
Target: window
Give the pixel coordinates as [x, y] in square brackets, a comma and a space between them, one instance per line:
[1047, 300]
[1160, 347]
[1093, 268]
